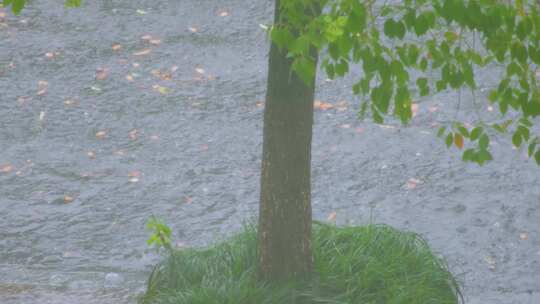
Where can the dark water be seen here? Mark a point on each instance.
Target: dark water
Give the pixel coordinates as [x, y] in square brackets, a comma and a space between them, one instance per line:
[194, 158]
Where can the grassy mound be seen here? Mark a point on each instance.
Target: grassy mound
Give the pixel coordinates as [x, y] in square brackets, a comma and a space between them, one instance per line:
[374, 264]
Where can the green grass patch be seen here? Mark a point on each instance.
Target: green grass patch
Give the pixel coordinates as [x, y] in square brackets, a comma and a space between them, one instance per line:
[374, 264]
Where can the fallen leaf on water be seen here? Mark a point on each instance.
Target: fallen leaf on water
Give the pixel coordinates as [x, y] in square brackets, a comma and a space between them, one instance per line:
[320, 105]
[490, 108]
[135, 64]
[2, 14]
[142, 52]
[68, 199]
[42, 87]
[129, 78]
[174, 68]
[342, 106]
[433, 109]
[162, 75]
[69, 102]
[119, 152]
[412, 183]
[193, 29]
[259, 104]
[91, 154]
[332, 216]
[345, 126]
[49, 55]
[224, 14]
[200, 71]
[134, 176]
[491, 262]
[133, 134]
[102, 73]
[6, 168]
[141, 12]
[155, 41]
[41, 115]
[146, 37]
[524, 236]
[116, 47]
[101, 134]
[161, 89]
[154, 137]
[414, 109]
[388, 127]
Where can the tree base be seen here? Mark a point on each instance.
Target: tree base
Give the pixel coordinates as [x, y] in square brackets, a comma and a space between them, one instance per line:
[370, 264]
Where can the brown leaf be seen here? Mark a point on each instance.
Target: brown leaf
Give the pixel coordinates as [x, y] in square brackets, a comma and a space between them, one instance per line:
[458, 140]
[193, 29]
[200, 71]
[133, 134]
[332, 216]
[130, 78]
[116, 47]
[102, 73]
[6, 168]
[101, 134]
[155, 41]
[142, 52]
[91, 154]
[320, 105]
[414, 109]
[134, 176]
[224, 14]
[42, 87]
[412, 183]
[146, 37]
[524, 236]
[68, 199]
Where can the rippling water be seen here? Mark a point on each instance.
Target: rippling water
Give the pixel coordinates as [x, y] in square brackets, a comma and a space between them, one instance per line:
[195, 155]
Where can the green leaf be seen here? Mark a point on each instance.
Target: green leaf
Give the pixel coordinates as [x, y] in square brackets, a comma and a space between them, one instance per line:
[532, 146]
[476, 132]
[17, 6]
[484, 142]
[484, 156]
[449, 139]
[441, 131]
[519, 52]
[394, 29]
[469, 155]
[423, 23]
[423, 87]
[305, 69]
[537, 157]
[463, 131]
[73, 3]
[281, 37]
[516, 139]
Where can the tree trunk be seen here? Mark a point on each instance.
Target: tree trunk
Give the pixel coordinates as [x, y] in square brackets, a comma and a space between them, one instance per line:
[285, 202]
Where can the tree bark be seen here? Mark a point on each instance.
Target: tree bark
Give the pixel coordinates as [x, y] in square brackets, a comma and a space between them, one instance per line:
[285, 204]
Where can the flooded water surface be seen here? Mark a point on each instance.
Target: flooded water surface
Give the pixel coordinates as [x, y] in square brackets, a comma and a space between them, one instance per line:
[121, 110]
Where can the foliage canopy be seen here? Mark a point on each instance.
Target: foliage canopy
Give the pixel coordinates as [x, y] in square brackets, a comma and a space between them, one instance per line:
[411, 49]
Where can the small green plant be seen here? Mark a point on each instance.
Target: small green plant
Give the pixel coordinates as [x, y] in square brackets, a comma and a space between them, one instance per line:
[161, 234]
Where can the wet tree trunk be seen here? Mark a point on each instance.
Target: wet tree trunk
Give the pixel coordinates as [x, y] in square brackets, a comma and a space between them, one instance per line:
[285, 202]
